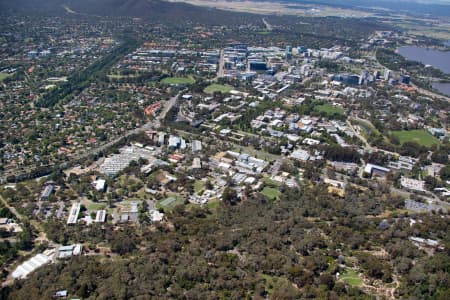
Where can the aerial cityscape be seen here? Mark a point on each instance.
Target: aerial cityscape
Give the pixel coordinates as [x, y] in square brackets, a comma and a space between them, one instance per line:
[200, 149]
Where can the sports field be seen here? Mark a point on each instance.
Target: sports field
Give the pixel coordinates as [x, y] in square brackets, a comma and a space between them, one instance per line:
[168, 202]
[178, 80]
[420, 136]
[215, 87]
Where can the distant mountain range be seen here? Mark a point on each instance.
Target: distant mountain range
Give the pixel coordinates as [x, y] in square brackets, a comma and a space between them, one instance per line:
[164, 9]
[155, 9]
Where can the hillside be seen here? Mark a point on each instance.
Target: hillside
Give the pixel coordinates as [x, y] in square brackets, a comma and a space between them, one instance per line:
[151, 9]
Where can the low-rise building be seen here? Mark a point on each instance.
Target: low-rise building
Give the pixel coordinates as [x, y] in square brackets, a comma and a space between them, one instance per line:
[48, 190]
[70, 250]
[300, 154]
[100, 185]
[196, 146]
[375, 170]
[24, 269]
[156, 216]
[73, 213]
[100, 216]
[412, 184]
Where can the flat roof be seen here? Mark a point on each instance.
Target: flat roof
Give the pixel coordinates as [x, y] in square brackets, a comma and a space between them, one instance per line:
[73, 214]
[30, 265]
[100, 216]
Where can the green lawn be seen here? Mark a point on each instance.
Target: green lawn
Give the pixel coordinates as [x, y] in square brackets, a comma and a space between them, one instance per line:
[269, 282]
[271, 182]
[213, 204]
[199, 186]
[367, 129]
[96, 206]
[276, 284]
[178, 80]
[3, 76]
[351, 277]
[223, 88]
[420, 136]
[271, 193]
[169, 203]
[329, 109]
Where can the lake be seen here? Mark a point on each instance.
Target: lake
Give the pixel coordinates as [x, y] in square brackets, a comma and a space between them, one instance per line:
[442, 87]
[435, 58]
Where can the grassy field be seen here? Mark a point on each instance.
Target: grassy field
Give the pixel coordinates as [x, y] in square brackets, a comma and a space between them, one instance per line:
[3, 76]
[270, 182]
[329, 109]
[351, 277]
[213, 204]
[199, 186]
[178, 80]
[119, 76]
[367, 129]
[269, 282]
[169, 203]
[271, 193]
[96, 206]
[422, 137]
[276, 284]
[436, 30]
[257, 153]
[223, 88]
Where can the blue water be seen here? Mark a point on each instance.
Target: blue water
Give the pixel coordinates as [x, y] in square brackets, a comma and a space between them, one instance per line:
[435, 58]
[444, 88]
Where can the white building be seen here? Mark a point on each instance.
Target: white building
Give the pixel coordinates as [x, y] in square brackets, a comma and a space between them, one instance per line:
[30, 265]
[196, 146]
[100, 184]
[100, 216]
[73, 213]
[156, 216]
[376, 170]
[300, 155]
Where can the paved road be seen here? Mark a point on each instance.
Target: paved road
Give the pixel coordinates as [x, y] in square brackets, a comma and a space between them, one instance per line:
[268, 26]
[42, 237]
[367, 146]
[11, 208]
[168, 105]
[221, 71]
